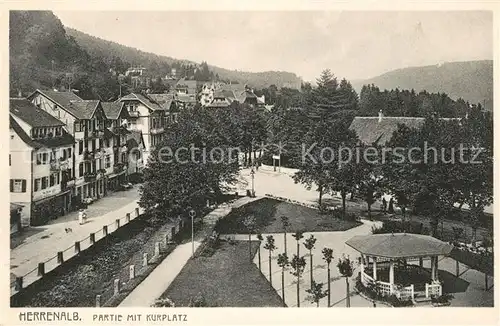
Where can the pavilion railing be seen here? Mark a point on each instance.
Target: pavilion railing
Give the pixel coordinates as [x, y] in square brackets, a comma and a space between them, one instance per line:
[404, 293]
[433, 289]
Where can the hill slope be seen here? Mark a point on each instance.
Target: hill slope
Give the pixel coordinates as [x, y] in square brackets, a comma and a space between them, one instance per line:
[470, 80]
[107, 49]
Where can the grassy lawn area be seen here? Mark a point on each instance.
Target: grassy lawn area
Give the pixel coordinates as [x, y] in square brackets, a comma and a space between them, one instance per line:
[267, 213]
[225, 279]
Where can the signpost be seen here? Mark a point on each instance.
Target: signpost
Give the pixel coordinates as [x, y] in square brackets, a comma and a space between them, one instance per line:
[252, 173]
[192, 214]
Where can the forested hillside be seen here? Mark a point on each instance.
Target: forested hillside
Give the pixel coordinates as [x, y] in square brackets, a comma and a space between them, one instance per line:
[160, 65]
[470, 80]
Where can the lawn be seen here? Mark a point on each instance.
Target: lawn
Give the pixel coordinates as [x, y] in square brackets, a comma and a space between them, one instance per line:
[267, 213]
[225, 279]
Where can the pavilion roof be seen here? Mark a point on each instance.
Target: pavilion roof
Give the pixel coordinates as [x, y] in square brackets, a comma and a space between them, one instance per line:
[399, 245]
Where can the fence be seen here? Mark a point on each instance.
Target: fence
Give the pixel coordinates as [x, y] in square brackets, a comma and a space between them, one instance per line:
[433, 289]
[52, 263]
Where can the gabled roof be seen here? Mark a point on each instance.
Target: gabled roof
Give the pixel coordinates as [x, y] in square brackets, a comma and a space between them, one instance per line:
[31, 114]
[399, 245]
[148, 102]
[23, 135]
[112, 110]
[134, 139]
[370, 130]
[377, 130]
[190, 84]
[164, 100]
[63, 99]
[185, 98]
[64, 139]
[84, 108]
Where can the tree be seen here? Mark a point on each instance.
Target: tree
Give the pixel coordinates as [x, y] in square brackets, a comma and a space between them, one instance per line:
[298, 265]
[370, 186]
[298, 235]
[173, 183]
[328, 257]
[285, 223]
[316, 293]
[260, 238]
[346, 269]
[283, 262]
[249, 223]
[309, 244]
[270, 247]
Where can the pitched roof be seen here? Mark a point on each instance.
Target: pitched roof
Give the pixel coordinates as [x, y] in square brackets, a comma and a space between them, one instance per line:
[185, 98]
[148, 102]
[64, 139]
[370, 130]
[31, 114]
[112, 109]
[63, 99]
[134, 139]
[190, 84]
[399, 245]
[84, 108]
[164, 100]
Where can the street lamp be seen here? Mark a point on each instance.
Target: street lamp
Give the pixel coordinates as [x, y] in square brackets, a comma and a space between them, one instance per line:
[192, 213]
[252, 174]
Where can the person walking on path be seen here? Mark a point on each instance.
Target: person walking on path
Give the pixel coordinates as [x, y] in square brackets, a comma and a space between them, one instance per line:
[82, 216]
[391, 206]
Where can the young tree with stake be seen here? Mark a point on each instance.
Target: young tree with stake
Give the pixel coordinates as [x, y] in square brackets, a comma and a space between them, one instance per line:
[328, 257]
[316, 293]
[286, 223]
[270, 247]
[298, 265]
[298, 235]
[345, 266]
[249, 223]
[260, 238]
[309, 244]
[283, 262]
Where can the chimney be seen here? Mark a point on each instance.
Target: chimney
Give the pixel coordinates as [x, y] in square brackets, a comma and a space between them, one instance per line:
[380, 116]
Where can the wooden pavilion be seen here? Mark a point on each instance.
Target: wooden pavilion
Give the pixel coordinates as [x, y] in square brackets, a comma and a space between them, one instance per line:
[386, 260]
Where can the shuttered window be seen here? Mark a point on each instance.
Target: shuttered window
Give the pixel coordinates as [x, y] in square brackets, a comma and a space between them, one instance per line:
[17, 185]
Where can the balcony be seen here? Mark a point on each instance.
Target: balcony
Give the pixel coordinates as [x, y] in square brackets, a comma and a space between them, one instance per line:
[133, 114]
[88, 156]
[89, 177]
[55, 166]
[96, 134]
[119, 167]
[157, 130]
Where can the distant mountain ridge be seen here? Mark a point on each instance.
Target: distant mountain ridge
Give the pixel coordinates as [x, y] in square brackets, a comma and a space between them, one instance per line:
[105, 48]
[469, 80]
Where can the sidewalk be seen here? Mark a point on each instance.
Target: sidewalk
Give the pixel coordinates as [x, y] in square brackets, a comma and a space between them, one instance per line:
[43, 242]
[145, 294]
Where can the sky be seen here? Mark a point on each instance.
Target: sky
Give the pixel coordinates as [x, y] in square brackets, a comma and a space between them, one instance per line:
[352, 44]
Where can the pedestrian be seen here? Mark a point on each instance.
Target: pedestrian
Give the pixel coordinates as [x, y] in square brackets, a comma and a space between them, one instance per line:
[391, 206]
[384, 205]
[81, 216]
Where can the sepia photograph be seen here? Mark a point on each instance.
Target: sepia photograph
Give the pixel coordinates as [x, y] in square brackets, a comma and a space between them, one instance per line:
[286, 159]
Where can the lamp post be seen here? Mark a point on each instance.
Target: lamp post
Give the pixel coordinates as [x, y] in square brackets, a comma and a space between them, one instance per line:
[192, 214]
[252, 174]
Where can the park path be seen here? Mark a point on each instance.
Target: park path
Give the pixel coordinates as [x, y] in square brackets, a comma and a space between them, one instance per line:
[41, 243]
[153, 286]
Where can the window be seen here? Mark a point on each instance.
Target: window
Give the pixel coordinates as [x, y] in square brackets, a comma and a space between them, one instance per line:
[37, 184]
[58, 131]
[10, 159]
[101, 143]
[80, 170]
[64, 155]
[17, 185]
[38, 159]
[107, 161]
[44, 183]
[52, 180]
[58, 178]
[78, 126]
[53, 155]
[80, 147]
[93, 144]
[44, 158]
[69, 152]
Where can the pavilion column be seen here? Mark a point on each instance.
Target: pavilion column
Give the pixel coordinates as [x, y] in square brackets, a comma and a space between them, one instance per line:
[391, 272]
[436, 274]
[374, 268]
[421, 262]
[433, 268]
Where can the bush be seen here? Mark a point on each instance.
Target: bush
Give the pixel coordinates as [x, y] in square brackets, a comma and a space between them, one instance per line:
[399, 227]
[161, 303]
[396, 302]
[198, 301]
[445, 298]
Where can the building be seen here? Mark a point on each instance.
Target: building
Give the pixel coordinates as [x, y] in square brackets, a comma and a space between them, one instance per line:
[186, 87]
[378, 130]
[135, 71]
[116, 133]
[85, 121]
[148, 116]
[135, 148]
[42, 173]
